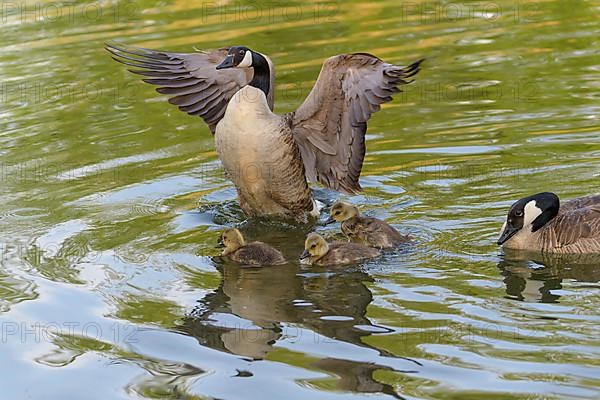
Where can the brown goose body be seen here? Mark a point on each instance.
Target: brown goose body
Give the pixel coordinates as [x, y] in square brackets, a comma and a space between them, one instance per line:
[571, 228]
[373, 232]
[257, 253]
[262, 159]
[271, 158]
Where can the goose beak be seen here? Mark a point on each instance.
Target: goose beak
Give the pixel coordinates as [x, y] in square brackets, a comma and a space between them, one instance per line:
[305, 254]
[226, 63]
[508, 232]
[329, 220]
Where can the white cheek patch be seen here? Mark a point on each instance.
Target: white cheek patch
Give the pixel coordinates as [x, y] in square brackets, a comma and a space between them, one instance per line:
[531, 213]
[247, 61]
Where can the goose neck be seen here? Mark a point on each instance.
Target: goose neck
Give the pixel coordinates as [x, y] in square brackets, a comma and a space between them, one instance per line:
[261, 78]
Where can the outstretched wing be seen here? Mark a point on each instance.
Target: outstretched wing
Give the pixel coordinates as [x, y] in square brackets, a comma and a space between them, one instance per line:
[329, 127]
[193, 81]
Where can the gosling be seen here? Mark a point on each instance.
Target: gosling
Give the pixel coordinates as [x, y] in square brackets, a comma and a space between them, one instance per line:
[318, 252]
[369, 231]
[540, 223]
[254, 254]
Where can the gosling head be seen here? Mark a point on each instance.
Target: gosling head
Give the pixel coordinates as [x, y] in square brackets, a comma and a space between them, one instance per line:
[237, 57]
[315, 247]
[529, 215]
[232, 239]
[341, 211]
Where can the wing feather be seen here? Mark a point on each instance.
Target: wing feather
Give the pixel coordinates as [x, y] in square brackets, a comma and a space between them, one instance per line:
[580, 202]
[580, 222]
[193, 81]
[330, 126]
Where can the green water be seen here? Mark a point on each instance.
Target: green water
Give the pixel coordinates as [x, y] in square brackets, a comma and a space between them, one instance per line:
[112, 201]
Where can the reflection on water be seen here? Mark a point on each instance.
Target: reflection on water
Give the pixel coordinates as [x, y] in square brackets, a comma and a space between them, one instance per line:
[254, 308]
[113, 200]
[539, 277]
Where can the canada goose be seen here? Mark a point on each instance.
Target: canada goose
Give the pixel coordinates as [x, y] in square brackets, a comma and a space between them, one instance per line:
[255, 253]
[271, 157]
[540, 223]
[369, 231]
[318, 252]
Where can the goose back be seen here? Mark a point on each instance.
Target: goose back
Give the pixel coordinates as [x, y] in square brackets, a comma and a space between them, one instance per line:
[576, 228]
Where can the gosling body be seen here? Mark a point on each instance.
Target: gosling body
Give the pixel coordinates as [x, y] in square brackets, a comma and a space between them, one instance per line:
[366, 230]
[318, 252]
[253, 254]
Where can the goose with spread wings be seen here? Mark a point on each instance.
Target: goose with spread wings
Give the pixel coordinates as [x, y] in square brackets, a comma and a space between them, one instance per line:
[271, 158]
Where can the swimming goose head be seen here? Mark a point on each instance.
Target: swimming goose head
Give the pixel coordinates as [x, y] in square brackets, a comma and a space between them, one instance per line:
[529, 214]
[232, 239]
[341, 211]
[315, 247]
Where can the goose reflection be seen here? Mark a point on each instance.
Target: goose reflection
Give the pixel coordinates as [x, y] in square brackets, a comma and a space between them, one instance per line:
[535, 277]
[253, 308]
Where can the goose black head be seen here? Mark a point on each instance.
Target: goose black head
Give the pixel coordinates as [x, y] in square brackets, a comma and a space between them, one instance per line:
[237, 57]
[243, 57]
[530, 213]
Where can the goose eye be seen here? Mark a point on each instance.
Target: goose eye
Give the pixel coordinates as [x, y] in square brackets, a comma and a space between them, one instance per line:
[313, 246]
[519, 213]
[242, 52]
